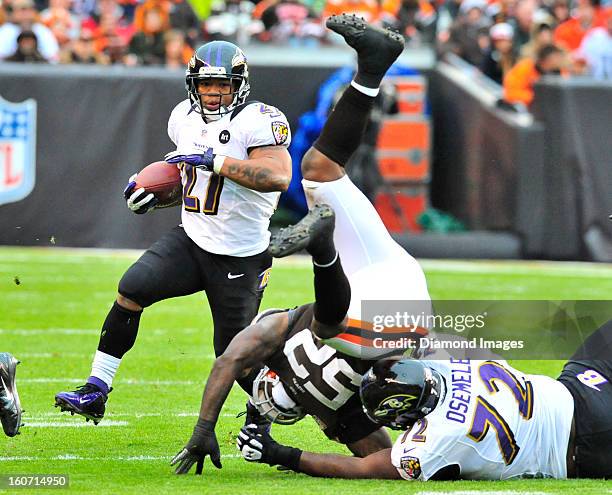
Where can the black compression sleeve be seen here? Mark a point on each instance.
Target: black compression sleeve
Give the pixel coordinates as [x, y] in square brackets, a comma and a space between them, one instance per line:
[345, 125]
[119, 331]
[332, 293]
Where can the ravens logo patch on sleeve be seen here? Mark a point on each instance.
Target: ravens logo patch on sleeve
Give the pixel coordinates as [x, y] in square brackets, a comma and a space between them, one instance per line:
[412, 466]
[280, 131]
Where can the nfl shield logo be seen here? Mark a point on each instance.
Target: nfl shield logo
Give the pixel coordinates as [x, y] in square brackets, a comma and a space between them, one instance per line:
[17, 150]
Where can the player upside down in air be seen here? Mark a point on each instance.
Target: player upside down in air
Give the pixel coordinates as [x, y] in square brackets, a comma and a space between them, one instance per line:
[311, 377]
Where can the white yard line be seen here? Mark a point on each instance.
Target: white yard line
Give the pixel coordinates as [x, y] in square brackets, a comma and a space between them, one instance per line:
[36, 332]
[482, 492]
[49, 331]
[49, 355]
[63, 254]
[71, 457]
[553, 268]
[72, 424]
[53, 414]
[121, 382]
[62, 354]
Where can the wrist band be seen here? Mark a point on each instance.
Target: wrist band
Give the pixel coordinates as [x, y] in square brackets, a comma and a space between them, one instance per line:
[288, 457]
[218, 163]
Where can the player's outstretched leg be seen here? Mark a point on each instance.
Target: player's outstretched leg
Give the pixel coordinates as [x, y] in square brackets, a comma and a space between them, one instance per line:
[376, 48]
[314, 233]
[360, 237]
[143, 284]
[10, 407]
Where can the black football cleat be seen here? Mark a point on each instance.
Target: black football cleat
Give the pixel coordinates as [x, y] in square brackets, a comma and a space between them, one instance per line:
[87, 400]
[376, 48]
[10, 407]
[316, 228]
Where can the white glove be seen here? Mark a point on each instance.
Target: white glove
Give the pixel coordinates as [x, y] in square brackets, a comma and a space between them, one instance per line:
[138, 200]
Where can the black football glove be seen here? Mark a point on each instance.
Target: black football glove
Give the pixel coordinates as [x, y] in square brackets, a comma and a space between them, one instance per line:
[203, 442]
[257, 445]
[139, 201]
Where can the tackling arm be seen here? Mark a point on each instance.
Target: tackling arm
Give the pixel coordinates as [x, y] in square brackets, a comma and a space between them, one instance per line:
[267, 169]
[249, 348]
[374, 466]
[259, 446]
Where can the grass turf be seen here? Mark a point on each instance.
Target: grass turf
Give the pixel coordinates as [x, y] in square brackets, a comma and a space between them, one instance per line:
[53, 301]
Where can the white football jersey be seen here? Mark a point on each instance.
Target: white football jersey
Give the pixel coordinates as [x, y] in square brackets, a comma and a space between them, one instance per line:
[219, 215]
[495, 422]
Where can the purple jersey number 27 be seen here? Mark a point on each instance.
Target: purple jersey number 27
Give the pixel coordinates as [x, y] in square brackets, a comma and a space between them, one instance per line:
[213, 193]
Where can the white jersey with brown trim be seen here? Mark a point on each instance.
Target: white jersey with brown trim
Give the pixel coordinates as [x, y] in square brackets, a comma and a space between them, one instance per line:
[220, 215]
[494, 422]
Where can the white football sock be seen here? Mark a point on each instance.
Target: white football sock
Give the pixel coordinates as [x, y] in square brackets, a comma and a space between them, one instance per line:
[365, 90]
[105, 367]
[327, 265]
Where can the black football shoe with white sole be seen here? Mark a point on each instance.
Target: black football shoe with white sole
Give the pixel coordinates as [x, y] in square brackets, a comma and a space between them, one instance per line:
[10, 407]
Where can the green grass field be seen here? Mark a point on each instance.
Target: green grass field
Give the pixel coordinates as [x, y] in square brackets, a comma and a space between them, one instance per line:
[53, 301]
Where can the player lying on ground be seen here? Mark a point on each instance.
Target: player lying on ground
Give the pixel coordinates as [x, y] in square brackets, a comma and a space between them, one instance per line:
[234, 164]
[10, 407]
[303, 375]
[477, 420]
[327, 382]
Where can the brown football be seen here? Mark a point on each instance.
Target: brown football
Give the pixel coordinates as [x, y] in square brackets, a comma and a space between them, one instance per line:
[163, 180]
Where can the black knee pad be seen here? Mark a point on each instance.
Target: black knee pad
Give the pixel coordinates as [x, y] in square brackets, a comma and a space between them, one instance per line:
[138, 285]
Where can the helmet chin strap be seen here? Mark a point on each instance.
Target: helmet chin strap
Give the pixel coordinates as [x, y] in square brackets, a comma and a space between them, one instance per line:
[211, 117]
[214, 115]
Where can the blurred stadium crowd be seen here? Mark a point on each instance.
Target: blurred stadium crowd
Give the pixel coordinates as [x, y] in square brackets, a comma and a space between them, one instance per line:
[513, 42]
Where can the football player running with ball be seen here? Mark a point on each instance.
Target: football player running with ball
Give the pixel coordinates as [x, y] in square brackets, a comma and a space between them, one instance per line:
[309, 376]
[234, 164]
